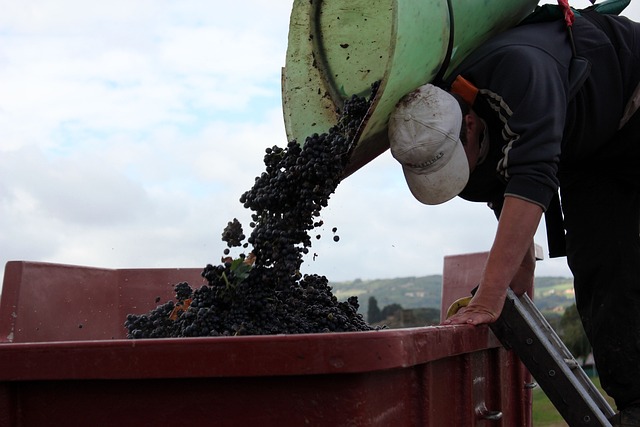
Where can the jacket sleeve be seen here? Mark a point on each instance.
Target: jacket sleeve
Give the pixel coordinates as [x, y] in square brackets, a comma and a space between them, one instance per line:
[529, 91]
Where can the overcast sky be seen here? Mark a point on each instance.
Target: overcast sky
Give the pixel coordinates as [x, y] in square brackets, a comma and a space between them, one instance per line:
[129, 130]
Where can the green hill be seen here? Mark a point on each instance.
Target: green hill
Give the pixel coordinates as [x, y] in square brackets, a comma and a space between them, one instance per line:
[552, 294]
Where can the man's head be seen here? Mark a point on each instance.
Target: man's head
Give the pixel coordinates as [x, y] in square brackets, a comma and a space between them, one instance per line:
[424, 133]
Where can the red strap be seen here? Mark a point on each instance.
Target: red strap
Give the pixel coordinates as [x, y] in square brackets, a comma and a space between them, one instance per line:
[569, 17]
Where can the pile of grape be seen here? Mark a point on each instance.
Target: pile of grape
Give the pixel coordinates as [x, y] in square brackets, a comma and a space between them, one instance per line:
[264, 292]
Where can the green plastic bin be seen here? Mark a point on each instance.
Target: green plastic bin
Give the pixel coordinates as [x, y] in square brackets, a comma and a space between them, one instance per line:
[338, 48]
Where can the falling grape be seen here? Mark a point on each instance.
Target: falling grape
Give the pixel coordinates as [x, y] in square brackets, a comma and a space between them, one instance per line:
[264, 292]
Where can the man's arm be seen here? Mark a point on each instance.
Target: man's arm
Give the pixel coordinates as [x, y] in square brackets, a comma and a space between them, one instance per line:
[522, 282]
[509, 263]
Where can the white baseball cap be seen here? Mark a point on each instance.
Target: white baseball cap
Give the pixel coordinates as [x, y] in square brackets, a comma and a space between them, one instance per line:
[424, 134]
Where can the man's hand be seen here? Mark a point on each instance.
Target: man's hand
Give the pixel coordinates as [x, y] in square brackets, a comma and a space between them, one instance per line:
[474, 314]
[485, 307]
[510, 263]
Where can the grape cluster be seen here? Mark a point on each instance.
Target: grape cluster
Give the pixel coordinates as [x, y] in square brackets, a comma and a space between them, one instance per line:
[233, 234]
[264, 292]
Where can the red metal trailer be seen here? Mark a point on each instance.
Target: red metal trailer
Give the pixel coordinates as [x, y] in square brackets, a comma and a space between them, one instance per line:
[64, 360]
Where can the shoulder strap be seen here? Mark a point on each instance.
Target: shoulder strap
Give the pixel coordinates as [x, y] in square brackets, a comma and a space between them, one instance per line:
[551, 12]
[601, 22]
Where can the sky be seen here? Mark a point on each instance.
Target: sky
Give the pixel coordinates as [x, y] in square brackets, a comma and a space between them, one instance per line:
[129, 130]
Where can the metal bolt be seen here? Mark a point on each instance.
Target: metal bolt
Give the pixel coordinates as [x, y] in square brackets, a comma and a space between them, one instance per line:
[529, 341]
[552, 373]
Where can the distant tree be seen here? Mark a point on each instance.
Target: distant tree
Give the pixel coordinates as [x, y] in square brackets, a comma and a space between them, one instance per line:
[553, 319]
[373, 311]
[390, 310]
[426, 316]
[572, 333]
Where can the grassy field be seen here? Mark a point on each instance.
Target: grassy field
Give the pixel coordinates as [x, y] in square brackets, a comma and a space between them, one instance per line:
[545, 414]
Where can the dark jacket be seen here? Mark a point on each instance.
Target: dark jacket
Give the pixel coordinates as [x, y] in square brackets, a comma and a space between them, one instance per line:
[538, 136]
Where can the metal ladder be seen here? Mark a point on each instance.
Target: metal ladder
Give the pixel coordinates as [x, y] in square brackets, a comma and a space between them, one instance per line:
[522, 328]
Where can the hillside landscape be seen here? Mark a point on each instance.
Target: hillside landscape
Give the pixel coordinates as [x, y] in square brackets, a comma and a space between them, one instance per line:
[552, 294]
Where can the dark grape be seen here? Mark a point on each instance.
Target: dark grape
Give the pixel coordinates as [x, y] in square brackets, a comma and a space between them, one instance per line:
[264, 292]
[232, 234]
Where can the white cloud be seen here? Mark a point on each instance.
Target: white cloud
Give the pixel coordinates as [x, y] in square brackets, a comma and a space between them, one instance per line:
[130, 130]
